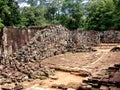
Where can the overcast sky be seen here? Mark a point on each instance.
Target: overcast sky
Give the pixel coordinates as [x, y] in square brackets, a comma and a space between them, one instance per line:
[24, 4]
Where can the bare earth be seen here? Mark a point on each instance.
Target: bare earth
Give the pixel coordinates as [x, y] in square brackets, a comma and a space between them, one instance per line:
[89, 61]
[63, 78]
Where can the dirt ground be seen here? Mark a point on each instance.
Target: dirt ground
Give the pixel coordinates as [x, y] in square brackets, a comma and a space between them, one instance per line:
[89, 61]
[60, 78]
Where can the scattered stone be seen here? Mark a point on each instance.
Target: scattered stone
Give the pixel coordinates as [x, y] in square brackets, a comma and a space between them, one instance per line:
[109, 78]
[53, 77]
[59, 86]
[18, 87]
[8, 87]
[115, 49]
[82, 73]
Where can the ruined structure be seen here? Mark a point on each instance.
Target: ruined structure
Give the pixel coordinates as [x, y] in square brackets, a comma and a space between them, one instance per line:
[23, 49]
[110, 36]
[13, 38]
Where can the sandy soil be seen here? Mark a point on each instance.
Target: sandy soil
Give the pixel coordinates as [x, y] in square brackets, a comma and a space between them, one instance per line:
[60, 78]
[72, 60]
[90, 61]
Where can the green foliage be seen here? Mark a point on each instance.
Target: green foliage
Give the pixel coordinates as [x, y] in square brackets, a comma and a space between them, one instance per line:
[50, 14]
[71, 14]
[93, 15]
[32, 2]
[1, 24]
[9, 12]
[102, 15]
[32, 16]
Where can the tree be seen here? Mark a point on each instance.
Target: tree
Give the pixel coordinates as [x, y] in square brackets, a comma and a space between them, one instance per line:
[1, 24]
[9, 12]
[116, 17]
[71, 14]
[32, 16]
[102, 15]
[51, 10]
[32, 2]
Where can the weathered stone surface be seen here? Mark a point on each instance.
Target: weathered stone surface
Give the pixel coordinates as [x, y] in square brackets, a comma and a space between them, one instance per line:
[8, 87]
[110, 78]
[18, 87]
[14, 38]
[110, 36]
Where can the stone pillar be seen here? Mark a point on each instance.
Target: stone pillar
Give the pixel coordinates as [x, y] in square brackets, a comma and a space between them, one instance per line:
[4, 42]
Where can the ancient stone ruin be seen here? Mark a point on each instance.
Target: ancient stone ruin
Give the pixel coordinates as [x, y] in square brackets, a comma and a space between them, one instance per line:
[23, 49]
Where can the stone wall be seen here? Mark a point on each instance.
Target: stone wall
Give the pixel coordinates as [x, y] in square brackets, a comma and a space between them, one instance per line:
[89, 38]
[83, 40]
[13, 38]
[110, 36]
[46, 42]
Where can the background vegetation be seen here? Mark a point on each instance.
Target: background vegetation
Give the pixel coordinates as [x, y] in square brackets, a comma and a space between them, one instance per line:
[73, 14]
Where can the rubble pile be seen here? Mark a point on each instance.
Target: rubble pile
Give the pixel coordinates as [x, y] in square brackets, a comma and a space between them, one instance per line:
[72, 86]
[25, 64]
[13, 71]
[109, 80]
[47, 42]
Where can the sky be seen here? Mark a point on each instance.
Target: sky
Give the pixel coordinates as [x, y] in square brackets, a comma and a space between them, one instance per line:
[24, 4]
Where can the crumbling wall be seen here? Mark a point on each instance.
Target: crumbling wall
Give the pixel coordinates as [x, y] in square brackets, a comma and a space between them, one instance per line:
[25, 64]
[83, 40]
[110, 36]
[14, 38]
[47, 42]
[88, 38]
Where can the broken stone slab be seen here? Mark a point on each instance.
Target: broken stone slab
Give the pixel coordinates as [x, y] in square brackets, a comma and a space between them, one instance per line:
[104, 88]
[53, 77]
[18, 87]
[59, 86]
[8, 87]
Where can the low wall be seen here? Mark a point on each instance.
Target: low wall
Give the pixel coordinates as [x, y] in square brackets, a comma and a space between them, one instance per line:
[110, 36]
[12, 38]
